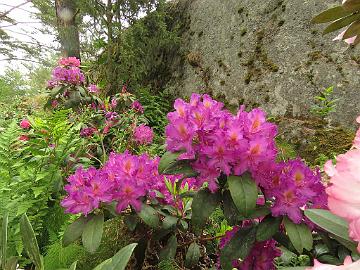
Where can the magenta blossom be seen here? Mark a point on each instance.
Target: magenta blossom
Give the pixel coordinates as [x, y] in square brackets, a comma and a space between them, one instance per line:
[92, 88]
[87, 132]
[136, 105]
[25, 124]
[143, 134]
[69, 62]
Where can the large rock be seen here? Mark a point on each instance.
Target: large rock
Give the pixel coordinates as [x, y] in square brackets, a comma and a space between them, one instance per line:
[265, 53]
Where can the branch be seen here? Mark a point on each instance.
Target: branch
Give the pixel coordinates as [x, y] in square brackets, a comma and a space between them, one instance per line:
[23, 9]
[16, 23]
[21, 59]
[3, 15]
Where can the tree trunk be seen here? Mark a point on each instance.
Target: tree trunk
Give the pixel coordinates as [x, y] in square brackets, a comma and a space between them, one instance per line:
[67, 28]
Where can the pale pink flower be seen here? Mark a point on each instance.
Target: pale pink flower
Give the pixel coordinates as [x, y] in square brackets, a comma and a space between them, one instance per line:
[348, 40]
[348, 265]
[344, 191]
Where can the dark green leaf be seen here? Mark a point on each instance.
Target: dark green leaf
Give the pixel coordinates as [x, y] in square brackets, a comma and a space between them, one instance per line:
[170, 165]
[238, 247]
[170, 222]
[30, 242]
[4, 229]
[169, 251]
[74, 231]
[329, 222]
[204, 203]
[353, 30]
[352, 5]
[294, 268]
[329, 259]
[73, 266]
[11, 263]
[267, 228]
[92, 234]
[131, 221]
[231, 213]
[299, 234]
[168, 160]
[149, 216]
[119, 260]
[244, 192]
[331, 14]
[192, 255]
[341, 23]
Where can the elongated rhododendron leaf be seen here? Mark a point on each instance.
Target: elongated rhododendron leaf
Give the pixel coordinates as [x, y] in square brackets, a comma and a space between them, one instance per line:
[238, 247]
[74, 231]
[92, 234]
[119, 260]
[329, 222]
[169, 251]
[299, 234]
[30, 243]
[244, 192]
[192, 255]
[149, 215]
[267, 228]
[204, 203]
[331, 14]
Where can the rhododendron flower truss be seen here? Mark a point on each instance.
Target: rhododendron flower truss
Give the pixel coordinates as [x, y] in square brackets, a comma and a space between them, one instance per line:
[125, 179]
[344, 189]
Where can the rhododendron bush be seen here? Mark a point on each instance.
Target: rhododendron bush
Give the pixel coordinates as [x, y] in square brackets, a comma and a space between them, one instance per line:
[218, 160]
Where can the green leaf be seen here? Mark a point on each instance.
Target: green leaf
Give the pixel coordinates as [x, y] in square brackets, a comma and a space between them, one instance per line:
[331, 14]
[341, 23]
[131, 221]
[119, 260]
[92, 233]
[267, 228]
[169, 251]
[30, 242]
[73, 266]
[169, 222]
[231, 213]
[4, 236]
[294, 268]
[11, 263]
[74, 231]
[238, 247]
[299, 234]
[329, 222]
[244, 192]
[353, 30]
[192, 255]
[167, 160]
[170, 165]
[149, 216]
[204, 203]
[352, 5]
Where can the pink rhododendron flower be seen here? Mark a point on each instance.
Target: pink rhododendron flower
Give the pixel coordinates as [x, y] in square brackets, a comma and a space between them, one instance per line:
[54, 103]
[143, 134]
[113, 103]
[229, 144]
[24, 138]
[136, 105]
[348, 265]
[87, 132]
[71, 75]
[348, 40]
[92, 88]
[69, 62]
[124, 179]
[25, 124]
[344, 191]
